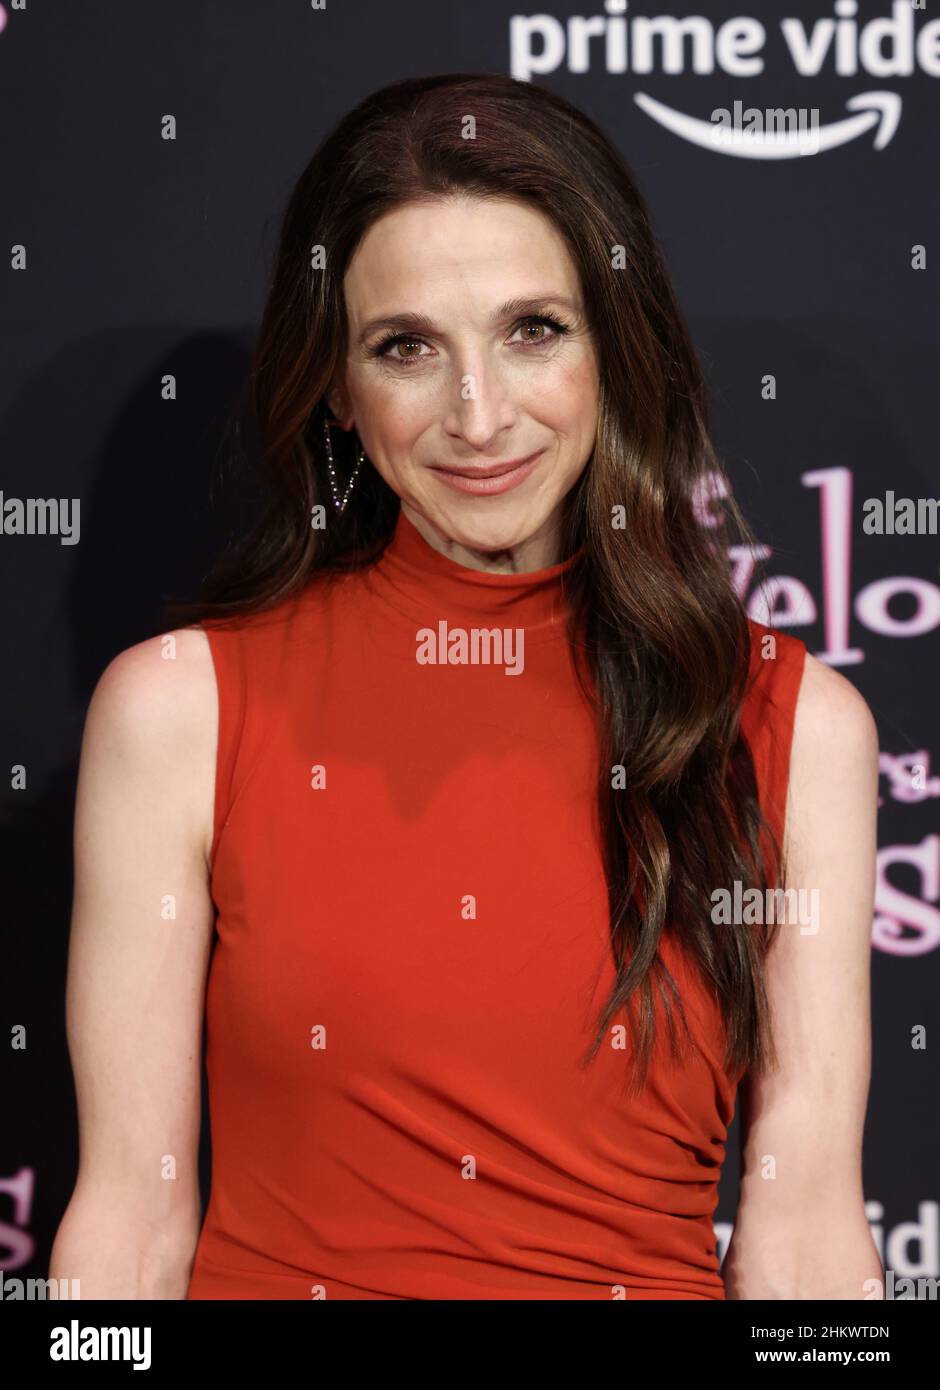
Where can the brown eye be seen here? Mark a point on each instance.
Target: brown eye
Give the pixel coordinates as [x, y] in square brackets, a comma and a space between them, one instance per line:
[535, 330]
[539, 330]
[399, 349]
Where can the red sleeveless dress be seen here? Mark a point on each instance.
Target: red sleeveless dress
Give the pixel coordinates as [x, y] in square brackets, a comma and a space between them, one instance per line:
[412, 952]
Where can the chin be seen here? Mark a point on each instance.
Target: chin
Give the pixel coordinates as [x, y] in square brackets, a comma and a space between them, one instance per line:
[481, 532]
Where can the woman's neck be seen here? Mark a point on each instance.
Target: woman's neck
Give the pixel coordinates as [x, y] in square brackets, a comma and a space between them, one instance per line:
[536, 552]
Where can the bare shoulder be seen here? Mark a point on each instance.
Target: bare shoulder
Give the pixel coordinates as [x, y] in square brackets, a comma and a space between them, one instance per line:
[142, 679]
[833, 720]
[832, 800]
[160, 692]
[153, 718]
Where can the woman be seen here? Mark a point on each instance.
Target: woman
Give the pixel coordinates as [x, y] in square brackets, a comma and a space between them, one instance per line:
[470, 744]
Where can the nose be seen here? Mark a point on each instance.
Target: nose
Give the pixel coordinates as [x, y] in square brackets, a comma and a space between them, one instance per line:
[479, 406]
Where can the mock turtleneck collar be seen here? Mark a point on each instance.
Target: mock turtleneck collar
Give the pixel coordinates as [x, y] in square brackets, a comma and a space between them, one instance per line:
[427, 585]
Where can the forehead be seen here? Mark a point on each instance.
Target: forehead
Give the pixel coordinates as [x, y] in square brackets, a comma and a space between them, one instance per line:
[444, 252]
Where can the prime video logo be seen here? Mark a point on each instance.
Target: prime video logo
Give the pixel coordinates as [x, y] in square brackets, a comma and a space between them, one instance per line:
[889, 47]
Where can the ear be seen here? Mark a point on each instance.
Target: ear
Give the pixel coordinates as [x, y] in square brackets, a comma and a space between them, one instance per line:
[340, 406]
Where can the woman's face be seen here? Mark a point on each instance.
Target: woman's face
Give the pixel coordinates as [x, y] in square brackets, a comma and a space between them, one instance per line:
[469, 350]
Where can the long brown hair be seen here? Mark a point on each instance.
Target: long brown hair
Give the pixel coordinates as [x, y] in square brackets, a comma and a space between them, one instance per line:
[661, 638]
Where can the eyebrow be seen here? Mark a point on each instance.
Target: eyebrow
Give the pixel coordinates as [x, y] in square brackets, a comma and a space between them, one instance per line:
[512, 309]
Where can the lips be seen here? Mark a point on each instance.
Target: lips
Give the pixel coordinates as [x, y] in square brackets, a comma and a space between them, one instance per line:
[489, 481]
[494, 470]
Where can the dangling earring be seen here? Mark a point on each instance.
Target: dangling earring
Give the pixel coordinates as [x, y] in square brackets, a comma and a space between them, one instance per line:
[339, 502]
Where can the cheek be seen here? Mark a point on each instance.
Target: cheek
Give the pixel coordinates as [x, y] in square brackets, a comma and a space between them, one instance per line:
[569, 400]
[388, 419]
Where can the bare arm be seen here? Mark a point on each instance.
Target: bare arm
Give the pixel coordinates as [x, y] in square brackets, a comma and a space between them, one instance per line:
[140, 939]
[801, 1230]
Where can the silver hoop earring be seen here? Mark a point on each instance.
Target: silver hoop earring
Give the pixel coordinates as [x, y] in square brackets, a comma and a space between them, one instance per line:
[340, 502]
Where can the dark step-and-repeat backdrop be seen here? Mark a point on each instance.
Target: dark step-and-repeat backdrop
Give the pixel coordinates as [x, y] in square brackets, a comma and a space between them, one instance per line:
[804, 247]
